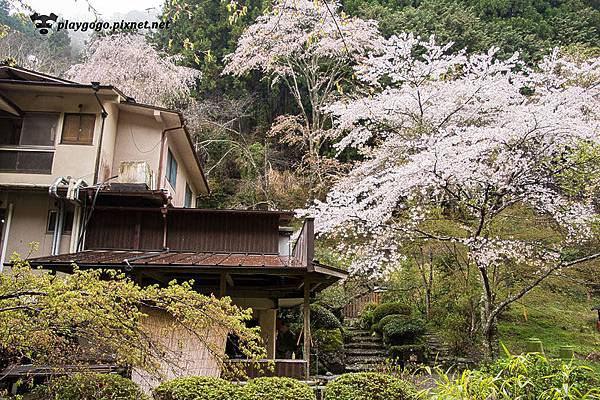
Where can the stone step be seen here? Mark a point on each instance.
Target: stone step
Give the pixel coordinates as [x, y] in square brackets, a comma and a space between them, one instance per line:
[365, 360]
[360, 367]
[366, 352]
[368, 338]
[364, 345]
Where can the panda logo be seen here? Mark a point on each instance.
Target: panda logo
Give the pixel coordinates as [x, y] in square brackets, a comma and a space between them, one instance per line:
[43, 23]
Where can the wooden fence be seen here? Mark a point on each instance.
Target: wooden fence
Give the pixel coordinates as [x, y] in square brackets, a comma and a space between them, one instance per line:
[356, 306]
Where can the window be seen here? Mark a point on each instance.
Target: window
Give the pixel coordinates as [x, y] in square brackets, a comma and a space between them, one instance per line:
[78, 129]
[33, 129]
[189, 196]
[26, 143]
[67, 221]
[171, 170]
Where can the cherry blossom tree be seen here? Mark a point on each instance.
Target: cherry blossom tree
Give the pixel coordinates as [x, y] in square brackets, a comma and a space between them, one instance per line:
[129, 62]
[458, 149]
[310, 46]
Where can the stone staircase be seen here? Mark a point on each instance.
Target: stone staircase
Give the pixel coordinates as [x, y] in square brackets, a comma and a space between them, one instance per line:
[364, 352]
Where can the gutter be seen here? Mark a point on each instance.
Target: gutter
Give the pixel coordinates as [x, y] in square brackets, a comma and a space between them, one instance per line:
[96, 87]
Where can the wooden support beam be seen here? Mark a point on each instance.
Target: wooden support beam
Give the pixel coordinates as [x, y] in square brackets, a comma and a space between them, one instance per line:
[306, 327]
[229, 280]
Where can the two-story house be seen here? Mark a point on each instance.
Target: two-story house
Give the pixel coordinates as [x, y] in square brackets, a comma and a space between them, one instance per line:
[59, 137]
[104, 182]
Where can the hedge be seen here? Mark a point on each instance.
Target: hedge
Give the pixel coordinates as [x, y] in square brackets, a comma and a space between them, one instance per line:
[276, 388]
[387, 319]
[402, 352]
[328, 339]
[388, 309]
[368, 386]
[399, 331]
[90, 386]
[197, 388]
[322, 318]
[366, 316]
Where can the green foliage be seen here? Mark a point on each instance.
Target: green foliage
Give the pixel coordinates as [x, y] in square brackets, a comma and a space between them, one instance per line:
[45, 317]
[526, 377]
[529, 26]
[277, 388]
[91, 387]
[403, 351]
[368, 386]
[197, 388]
[400, 331]
[328, 339]
[366, 317]
[323, 318]
[388, 309]
[388, 318]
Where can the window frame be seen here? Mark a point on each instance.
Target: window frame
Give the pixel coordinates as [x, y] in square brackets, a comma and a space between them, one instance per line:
[62, 133]
[171, 170]
[50, 230]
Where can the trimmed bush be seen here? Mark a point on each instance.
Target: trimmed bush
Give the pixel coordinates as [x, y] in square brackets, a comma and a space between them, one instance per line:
[277, 388]
[197, 388]
[389, 309]
[91, 387]
[322, 318]
[387, 319]
[399, 331]
[368, 386]
[328, 339]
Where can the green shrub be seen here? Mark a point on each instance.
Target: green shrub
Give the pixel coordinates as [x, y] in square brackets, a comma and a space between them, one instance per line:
[401, 331]
[389, 318]
[328, 339]
[91, 386]
[526, 377]
[388, 309]
[368, 386]
[366, 316]
[277, 388]
[322, 318]
[197, 388]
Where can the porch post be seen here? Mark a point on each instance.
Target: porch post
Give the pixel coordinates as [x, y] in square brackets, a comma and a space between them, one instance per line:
[306, 328]
[222, 285]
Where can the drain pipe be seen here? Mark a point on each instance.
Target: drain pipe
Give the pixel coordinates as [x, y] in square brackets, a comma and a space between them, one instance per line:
[60, 215]
[96, 88]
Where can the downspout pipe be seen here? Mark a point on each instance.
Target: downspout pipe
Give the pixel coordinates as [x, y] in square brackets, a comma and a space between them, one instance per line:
[60, 215]
[95, 88]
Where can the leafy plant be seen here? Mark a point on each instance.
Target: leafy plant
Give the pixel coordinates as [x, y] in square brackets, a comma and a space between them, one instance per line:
[399, 331]
[526, 377]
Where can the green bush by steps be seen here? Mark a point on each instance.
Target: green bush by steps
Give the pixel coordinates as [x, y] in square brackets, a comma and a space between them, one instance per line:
[389, 309]
[369, 386]
[277, 388]
[402, 331]
[197, 388]
[208, 388]
[322, 318]
[90, 386]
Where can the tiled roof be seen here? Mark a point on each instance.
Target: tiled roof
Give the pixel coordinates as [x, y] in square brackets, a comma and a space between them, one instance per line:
[170, 258]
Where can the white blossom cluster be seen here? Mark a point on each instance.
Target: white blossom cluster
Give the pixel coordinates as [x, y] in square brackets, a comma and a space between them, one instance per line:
[440, 126]
[297, 31]
[130, 63]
